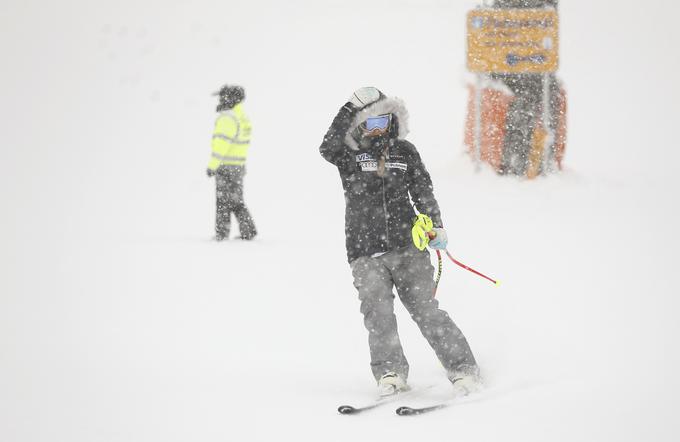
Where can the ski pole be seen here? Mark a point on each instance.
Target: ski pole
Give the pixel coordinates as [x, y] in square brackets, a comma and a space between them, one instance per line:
[440, 267]
[470, 269]
[433, 235]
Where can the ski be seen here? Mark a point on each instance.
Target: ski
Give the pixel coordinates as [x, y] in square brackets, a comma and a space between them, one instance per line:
[350, 409]
[410, 411]
[445, 403]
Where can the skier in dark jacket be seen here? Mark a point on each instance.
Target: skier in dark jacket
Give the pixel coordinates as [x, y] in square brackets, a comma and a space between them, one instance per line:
[381, 174]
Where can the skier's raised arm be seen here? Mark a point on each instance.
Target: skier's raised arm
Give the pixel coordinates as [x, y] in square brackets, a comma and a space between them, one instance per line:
[333, 147]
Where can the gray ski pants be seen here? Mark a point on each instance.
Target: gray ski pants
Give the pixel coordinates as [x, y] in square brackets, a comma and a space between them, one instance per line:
[411, 272]
[229, 195]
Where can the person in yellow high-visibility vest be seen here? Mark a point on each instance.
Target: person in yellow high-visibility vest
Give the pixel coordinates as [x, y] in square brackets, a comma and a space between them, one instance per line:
[230, 143]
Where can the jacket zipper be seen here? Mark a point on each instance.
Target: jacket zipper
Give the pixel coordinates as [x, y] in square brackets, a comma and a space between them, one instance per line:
[387, 227]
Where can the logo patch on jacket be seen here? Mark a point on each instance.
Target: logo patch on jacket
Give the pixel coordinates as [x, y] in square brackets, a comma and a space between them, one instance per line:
[393, 165]
[369, 164]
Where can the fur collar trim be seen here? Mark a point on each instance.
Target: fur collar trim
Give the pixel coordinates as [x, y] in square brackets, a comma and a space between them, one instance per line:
[387, 105]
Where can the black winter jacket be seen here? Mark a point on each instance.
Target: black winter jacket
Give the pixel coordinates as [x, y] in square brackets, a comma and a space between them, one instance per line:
[378, 213]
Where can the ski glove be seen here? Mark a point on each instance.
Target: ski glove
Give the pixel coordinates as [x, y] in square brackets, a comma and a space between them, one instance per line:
[440, 239]
[210, 172]
[422, 224]
[364, 96]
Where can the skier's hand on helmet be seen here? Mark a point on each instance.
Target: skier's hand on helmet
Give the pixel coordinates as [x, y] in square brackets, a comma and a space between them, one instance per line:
[440, 240]
[210, 172]
[364, 96]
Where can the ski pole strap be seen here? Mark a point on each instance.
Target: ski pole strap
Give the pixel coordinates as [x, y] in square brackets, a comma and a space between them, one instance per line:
[470, 269]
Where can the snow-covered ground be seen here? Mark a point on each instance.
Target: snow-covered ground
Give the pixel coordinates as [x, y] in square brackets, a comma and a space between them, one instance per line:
[121, 321]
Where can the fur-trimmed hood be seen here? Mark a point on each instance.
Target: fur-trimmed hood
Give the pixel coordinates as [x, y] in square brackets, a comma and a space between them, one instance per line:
[387, 105]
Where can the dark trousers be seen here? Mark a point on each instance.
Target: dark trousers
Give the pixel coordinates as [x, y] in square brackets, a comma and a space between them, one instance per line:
[229, 191]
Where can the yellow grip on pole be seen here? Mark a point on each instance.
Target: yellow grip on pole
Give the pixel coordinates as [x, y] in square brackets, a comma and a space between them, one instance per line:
[422, 224]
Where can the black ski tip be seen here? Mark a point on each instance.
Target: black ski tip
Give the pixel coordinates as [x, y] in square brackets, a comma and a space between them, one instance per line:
[406, 411]
[346, 409]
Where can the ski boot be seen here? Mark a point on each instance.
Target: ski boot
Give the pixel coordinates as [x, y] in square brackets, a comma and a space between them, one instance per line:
[465, 380]
[391, 383]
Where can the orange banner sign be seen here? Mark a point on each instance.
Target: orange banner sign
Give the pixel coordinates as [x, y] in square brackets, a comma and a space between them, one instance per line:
[512, 40]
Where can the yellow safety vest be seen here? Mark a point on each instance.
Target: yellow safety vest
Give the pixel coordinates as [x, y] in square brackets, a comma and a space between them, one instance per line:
[231, 139]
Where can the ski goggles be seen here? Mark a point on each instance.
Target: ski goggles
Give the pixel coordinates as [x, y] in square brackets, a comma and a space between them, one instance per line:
[376, 126]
